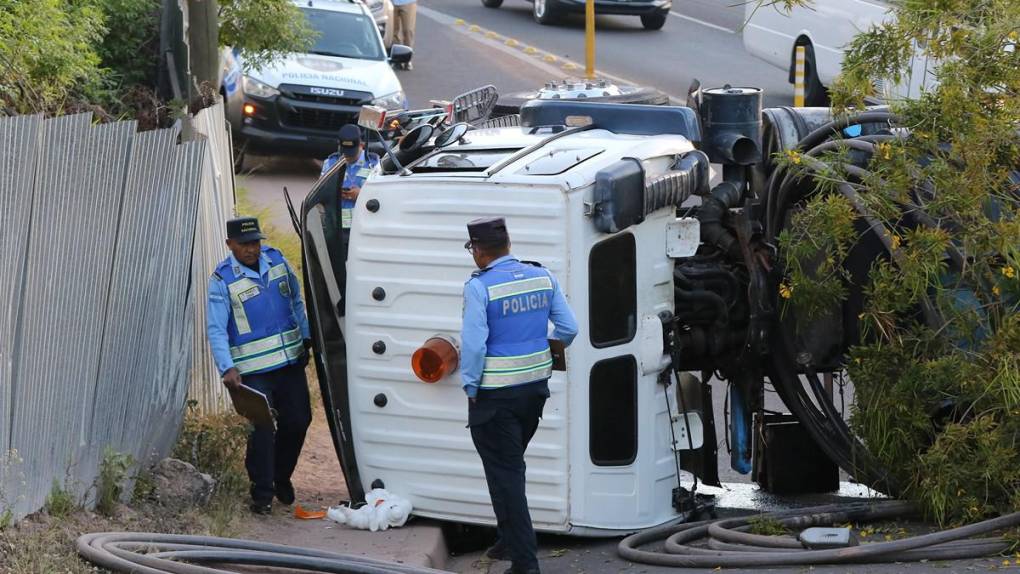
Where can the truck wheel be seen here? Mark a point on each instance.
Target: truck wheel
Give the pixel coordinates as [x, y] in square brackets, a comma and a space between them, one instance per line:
[511, 103]
[492, 3]
[654, 21]
[545, 12]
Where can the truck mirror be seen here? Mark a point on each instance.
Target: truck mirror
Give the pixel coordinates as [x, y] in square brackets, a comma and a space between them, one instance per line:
[619, 196]
[400, 54]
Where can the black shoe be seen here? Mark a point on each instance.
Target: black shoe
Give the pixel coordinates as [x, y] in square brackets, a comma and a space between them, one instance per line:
[498, 551]
[261, 507]
[285, 493]
[513, 570]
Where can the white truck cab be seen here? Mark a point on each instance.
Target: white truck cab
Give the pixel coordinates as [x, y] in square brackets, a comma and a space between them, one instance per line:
[298, 104]
[604, 457]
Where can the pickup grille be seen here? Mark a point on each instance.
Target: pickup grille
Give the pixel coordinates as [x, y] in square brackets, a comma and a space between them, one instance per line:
[332, 100]
[317, 119]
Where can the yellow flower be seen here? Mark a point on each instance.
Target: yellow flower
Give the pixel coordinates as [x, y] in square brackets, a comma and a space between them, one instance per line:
[884, 150]
[1009, 272]
[895, 241]
[785, 291]
[794, 156]
[996, 291]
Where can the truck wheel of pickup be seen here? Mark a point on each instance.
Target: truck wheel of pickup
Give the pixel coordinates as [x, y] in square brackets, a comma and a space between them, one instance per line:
[545, 12]
[654, 21]
[511, 103]
[492, 3]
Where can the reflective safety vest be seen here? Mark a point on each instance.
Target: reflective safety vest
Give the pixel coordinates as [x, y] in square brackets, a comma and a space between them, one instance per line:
[517, 349]
[263, 332]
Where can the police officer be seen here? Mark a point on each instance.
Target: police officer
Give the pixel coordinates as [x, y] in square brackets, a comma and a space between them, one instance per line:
[506, 363]
[259, 336]
[360, 164]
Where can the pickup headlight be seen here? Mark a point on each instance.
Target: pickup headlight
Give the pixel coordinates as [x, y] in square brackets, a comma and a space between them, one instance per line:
[394, 101]
[253, 87]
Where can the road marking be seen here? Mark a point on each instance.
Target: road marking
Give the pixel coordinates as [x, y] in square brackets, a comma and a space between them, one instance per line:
[537, 58]
[702, 22]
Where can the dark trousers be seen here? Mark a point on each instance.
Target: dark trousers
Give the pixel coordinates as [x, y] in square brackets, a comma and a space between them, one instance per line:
[502, 424]
[271, 457]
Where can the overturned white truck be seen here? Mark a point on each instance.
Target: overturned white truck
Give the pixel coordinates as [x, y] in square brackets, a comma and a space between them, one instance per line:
[667, 275]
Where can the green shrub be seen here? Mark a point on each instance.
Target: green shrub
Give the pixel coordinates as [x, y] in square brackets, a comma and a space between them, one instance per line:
[60, 502]
[47, 50]
[215, 444]
[113, 471]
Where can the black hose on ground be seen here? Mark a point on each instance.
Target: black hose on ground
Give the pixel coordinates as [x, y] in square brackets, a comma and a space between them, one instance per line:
[149, 553]
[729, 546]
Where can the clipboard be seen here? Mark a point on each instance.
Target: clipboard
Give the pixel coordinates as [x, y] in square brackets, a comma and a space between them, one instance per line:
[252, 405]
[559, 355]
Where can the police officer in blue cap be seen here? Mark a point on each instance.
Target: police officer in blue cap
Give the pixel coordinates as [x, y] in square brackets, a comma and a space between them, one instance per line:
[259, 336]
[360, 164]
[505, 367]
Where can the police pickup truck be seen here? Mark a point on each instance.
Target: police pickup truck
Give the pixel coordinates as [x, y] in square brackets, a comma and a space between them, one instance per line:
[298, 104]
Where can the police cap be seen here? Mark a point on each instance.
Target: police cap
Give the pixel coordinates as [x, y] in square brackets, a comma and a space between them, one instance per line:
[350, 138]
[487, 231]
[244, 229]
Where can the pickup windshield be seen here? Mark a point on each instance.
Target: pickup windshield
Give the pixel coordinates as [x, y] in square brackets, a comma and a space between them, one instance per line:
[344, 35]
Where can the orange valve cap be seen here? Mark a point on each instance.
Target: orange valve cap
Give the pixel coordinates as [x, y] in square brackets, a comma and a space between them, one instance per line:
[437, 358]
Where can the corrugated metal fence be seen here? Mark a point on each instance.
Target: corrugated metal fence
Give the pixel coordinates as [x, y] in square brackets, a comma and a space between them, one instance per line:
[98, 296]
[217, 206]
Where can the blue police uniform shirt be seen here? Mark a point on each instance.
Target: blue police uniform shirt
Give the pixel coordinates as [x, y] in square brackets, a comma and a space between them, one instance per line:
[219, 312]
[475, 334]
[354, 176]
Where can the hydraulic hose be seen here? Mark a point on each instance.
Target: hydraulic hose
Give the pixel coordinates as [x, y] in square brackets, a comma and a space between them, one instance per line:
[713, 210]
[149, 553]
[730, 546]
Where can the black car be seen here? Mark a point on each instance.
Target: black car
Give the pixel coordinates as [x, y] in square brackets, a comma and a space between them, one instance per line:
[653, 13]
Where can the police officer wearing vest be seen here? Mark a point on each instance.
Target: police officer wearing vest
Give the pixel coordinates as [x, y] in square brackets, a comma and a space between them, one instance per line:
[259, 336]
[360, 164]
[505, 366]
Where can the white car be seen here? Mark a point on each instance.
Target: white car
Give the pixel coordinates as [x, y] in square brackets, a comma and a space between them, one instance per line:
[824, 29]
[298, 104]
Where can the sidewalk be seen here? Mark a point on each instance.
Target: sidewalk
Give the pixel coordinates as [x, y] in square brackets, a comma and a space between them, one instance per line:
[319, 483]
[419, 543]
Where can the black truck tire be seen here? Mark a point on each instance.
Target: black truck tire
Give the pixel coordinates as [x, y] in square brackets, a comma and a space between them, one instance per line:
[654, 21]
[545, 12]
[511, 103]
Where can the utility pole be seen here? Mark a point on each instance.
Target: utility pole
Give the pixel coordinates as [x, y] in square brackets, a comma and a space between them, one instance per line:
[203, 42]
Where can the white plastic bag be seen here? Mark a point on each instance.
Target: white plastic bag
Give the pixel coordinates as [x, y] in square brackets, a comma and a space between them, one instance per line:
[382, 510]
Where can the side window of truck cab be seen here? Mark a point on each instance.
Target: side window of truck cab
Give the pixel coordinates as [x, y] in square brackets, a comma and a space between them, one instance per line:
[612, 383]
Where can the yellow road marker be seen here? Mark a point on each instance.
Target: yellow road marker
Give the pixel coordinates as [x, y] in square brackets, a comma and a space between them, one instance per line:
[800, 61]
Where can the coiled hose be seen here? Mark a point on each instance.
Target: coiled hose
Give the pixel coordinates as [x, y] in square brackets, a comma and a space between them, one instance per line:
[148, 553]
[730, 545]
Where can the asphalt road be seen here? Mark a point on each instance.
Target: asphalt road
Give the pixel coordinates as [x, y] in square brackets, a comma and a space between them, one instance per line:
[699, 40]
